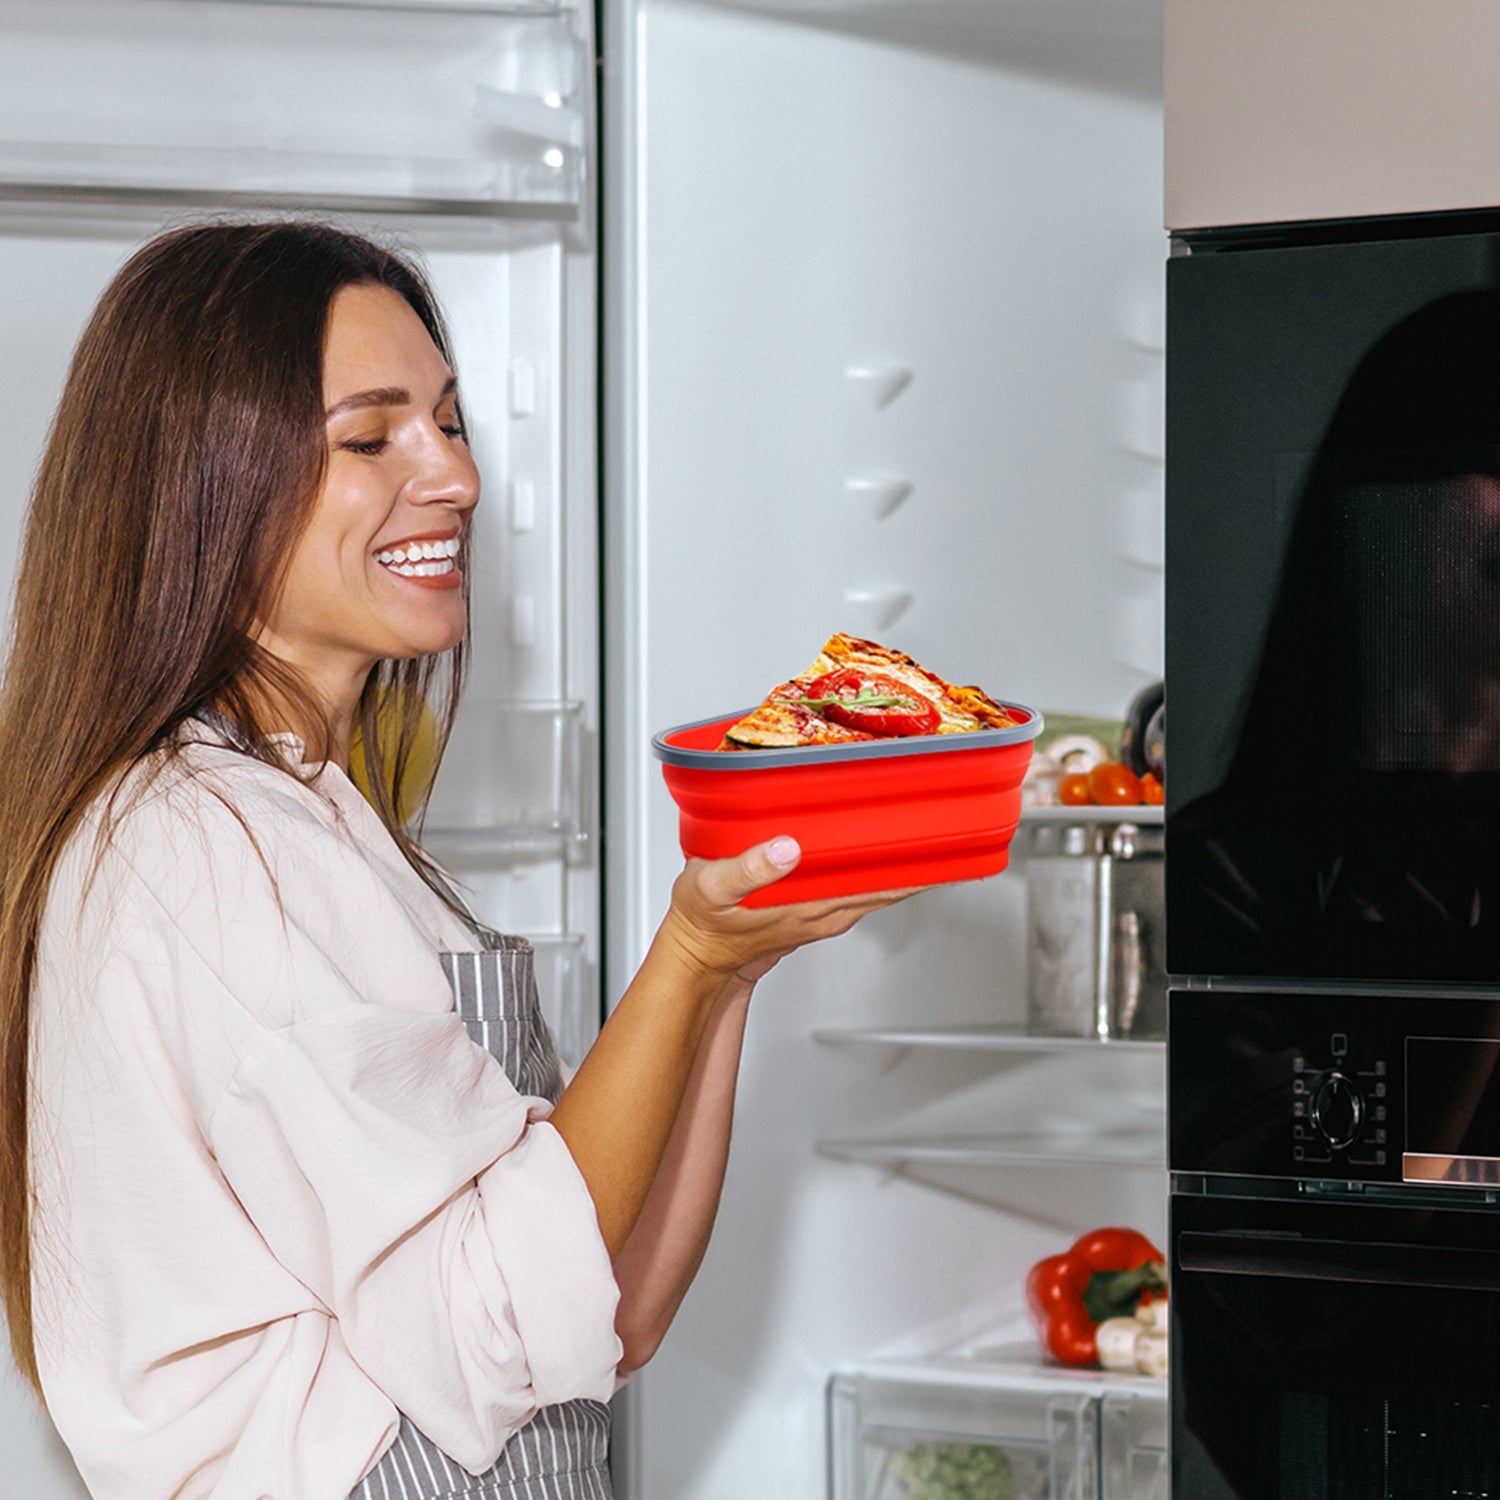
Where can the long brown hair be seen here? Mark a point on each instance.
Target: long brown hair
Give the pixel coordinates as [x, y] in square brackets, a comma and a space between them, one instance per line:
[183, 462]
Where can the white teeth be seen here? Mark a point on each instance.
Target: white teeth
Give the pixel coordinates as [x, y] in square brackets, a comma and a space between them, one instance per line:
[410, 560]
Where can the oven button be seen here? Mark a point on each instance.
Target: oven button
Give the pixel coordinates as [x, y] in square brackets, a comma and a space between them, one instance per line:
[1337, 1109]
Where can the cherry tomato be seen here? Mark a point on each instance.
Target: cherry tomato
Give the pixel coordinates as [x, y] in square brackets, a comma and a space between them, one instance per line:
[1073, 789]
[872, 702]
[1114, 785]
[1152, 790]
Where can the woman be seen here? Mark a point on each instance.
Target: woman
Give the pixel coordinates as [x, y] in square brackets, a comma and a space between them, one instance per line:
[272, 1224]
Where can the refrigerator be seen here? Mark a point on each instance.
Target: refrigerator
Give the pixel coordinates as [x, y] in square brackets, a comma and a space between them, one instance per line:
[772, 319]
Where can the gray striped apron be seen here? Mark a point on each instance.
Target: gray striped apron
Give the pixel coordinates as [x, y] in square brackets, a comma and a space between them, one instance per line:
[562, 1454]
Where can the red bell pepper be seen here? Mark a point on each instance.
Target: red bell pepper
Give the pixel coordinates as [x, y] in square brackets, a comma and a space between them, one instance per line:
[1106, 1274]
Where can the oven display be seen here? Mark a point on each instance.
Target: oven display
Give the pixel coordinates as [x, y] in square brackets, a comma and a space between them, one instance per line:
[1452, 1111]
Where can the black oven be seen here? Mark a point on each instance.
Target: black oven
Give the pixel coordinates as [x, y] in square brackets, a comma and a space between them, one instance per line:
[1335, 1245]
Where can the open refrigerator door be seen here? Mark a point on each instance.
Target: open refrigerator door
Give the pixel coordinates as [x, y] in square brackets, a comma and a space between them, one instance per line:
[462, 131]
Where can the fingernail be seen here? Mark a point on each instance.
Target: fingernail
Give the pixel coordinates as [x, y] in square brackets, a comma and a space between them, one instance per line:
[783, 852]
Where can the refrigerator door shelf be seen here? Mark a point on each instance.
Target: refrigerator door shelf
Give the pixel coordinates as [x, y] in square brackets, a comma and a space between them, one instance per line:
[513, 786]
[534, 183]
[896, 1438]
[296, 105]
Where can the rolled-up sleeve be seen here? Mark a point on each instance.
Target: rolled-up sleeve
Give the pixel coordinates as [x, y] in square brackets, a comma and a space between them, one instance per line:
[390, 1164]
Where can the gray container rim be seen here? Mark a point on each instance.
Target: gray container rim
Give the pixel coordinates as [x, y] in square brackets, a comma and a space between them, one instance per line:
[919, 744]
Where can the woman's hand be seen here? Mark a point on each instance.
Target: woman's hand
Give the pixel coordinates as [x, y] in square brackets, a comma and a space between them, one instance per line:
[716, 936]
[651, 1082]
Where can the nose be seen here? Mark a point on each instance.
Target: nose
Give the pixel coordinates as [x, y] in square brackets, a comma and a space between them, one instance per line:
[444, 472]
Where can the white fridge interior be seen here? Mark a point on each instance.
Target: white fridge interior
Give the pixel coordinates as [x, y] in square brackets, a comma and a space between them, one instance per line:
[883, 353]
[462, 132]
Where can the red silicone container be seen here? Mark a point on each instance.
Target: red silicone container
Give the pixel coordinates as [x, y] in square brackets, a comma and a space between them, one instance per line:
[878, 815]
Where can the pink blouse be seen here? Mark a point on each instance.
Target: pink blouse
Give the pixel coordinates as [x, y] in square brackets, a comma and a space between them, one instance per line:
[280, 1193]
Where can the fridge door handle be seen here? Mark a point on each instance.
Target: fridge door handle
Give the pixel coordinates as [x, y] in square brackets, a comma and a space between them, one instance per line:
[1226, 1253]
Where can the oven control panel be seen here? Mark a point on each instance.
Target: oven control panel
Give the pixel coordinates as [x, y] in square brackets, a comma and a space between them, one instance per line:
[1340, 1109]
[1361, 1088]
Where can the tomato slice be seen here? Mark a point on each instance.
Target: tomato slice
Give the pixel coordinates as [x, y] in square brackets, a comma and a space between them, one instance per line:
[872, 702]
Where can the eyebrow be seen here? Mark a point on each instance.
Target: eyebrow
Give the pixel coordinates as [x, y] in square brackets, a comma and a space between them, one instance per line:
[383, 395]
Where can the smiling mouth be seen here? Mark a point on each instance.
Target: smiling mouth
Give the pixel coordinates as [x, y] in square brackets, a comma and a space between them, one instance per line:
[421, 559]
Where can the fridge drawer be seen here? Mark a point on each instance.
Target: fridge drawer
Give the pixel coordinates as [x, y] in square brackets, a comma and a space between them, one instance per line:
[894, 1438]
[1133, 1447]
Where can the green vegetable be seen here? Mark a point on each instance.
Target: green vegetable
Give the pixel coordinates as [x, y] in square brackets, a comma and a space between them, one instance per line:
[859, 700]
[955, 1471]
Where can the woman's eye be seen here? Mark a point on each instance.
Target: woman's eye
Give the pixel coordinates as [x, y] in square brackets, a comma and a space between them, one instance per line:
[453, 429]
[369, 447]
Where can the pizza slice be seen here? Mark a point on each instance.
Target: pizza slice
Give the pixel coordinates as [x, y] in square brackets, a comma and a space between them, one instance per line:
[860, 690]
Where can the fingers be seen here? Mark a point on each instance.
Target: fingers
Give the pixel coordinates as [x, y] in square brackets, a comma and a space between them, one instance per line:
[857, 906]
[729, 881]
[718, 935]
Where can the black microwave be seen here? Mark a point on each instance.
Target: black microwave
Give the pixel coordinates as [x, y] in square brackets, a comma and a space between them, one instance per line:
[1333, 603]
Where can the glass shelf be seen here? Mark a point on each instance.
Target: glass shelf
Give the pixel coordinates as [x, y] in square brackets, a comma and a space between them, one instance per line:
[426, 7]
[1144, 815]
[1135, 1148]
[977, 1038]
[1009, 1367]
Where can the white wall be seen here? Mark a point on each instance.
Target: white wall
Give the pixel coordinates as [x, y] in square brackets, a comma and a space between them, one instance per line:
[808, 199]
[1283, 111]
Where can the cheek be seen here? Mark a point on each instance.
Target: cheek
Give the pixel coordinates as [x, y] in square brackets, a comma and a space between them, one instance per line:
[329, 557]
[341, 534]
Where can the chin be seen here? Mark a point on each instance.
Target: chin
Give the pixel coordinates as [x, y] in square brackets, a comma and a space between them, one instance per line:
[430, 638]
[413, 650]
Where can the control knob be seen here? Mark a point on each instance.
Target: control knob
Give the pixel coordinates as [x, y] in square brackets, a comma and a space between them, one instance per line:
[1337, 1109]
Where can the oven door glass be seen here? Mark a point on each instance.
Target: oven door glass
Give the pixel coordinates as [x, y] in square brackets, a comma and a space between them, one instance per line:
[1333, 1353]
[1333, 610]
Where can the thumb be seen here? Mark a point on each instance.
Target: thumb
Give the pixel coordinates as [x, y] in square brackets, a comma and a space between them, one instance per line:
[761, 865]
